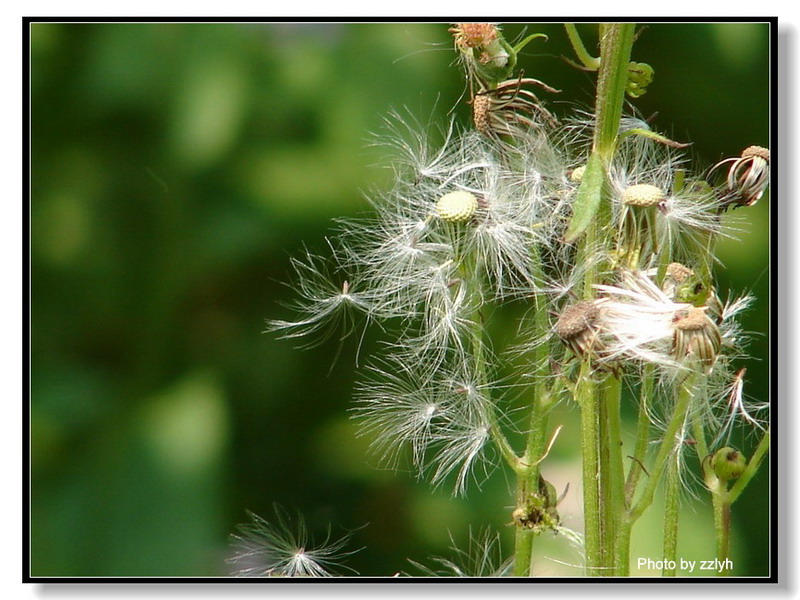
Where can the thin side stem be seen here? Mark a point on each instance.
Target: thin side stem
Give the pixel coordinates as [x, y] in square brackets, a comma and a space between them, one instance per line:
[751, 468]
[669, 446]
[642, 434]
[587, 60]
[528, 474]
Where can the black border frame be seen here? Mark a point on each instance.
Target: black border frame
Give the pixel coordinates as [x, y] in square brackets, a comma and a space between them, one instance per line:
[773, 302]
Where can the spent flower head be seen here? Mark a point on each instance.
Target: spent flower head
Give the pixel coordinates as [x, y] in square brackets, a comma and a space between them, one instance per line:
[747, 178]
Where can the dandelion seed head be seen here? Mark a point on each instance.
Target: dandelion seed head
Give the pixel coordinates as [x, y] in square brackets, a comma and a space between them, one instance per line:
[643, 194]
[456, 207]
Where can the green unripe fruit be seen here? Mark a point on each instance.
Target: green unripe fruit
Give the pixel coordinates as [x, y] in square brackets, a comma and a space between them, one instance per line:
[728, 463]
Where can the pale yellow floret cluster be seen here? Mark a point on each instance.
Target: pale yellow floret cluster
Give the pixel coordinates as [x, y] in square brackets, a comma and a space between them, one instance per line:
[457, 207]
[643, 194]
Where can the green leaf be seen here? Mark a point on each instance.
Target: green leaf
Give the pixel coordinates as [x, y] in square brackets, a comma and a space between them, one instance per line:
[588, 199]
[653, 136]
[530, 38]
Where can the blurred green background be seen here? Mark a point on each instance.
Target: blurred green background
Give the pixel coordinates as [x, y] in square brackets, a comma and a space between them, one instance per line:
[175, 168]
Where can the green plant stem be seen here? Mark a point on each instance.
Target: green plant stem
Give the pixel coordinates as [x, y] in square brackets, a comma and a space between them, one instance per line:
[719, 501]
[669, 446]
[722, 498]
[523, 551]
[528, 474]
[750, 470]
[717, 489]
[585, 394]
[587, 60]
[606, 504]
[615, 480]
[642, 434]
[722, 529]
[616, 41]
[672, 494]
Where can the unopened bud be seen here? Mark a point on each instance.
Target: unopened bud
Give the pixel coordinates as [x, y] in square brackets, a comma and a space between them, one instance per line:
[728, 463]
[640, 75]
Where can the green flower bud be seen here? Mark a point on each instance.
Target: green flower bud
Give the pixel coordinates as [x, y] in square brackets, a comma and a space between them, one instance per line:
[640, 75]
[728, 463]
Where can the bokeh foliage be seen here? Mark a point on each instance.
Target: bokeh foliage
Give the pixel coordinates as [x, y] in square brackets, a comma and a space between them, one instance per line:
[175, 168]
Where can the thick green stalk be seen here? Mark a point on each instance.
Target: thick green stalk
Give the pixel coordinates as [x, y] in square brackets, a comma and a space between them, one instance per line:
[606, 502]
[586, 396]
[672, 494]
[616, 41]
[615, 472]
[523, 548]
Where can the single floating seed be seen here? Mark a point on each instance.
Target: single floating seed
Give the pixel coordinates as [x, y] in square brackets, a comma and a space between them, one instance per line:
[456, 207]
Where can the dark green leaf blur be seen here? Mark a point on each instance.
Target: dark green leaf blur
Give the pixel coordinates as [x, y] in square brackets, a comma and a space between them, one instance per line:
[175, 169]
